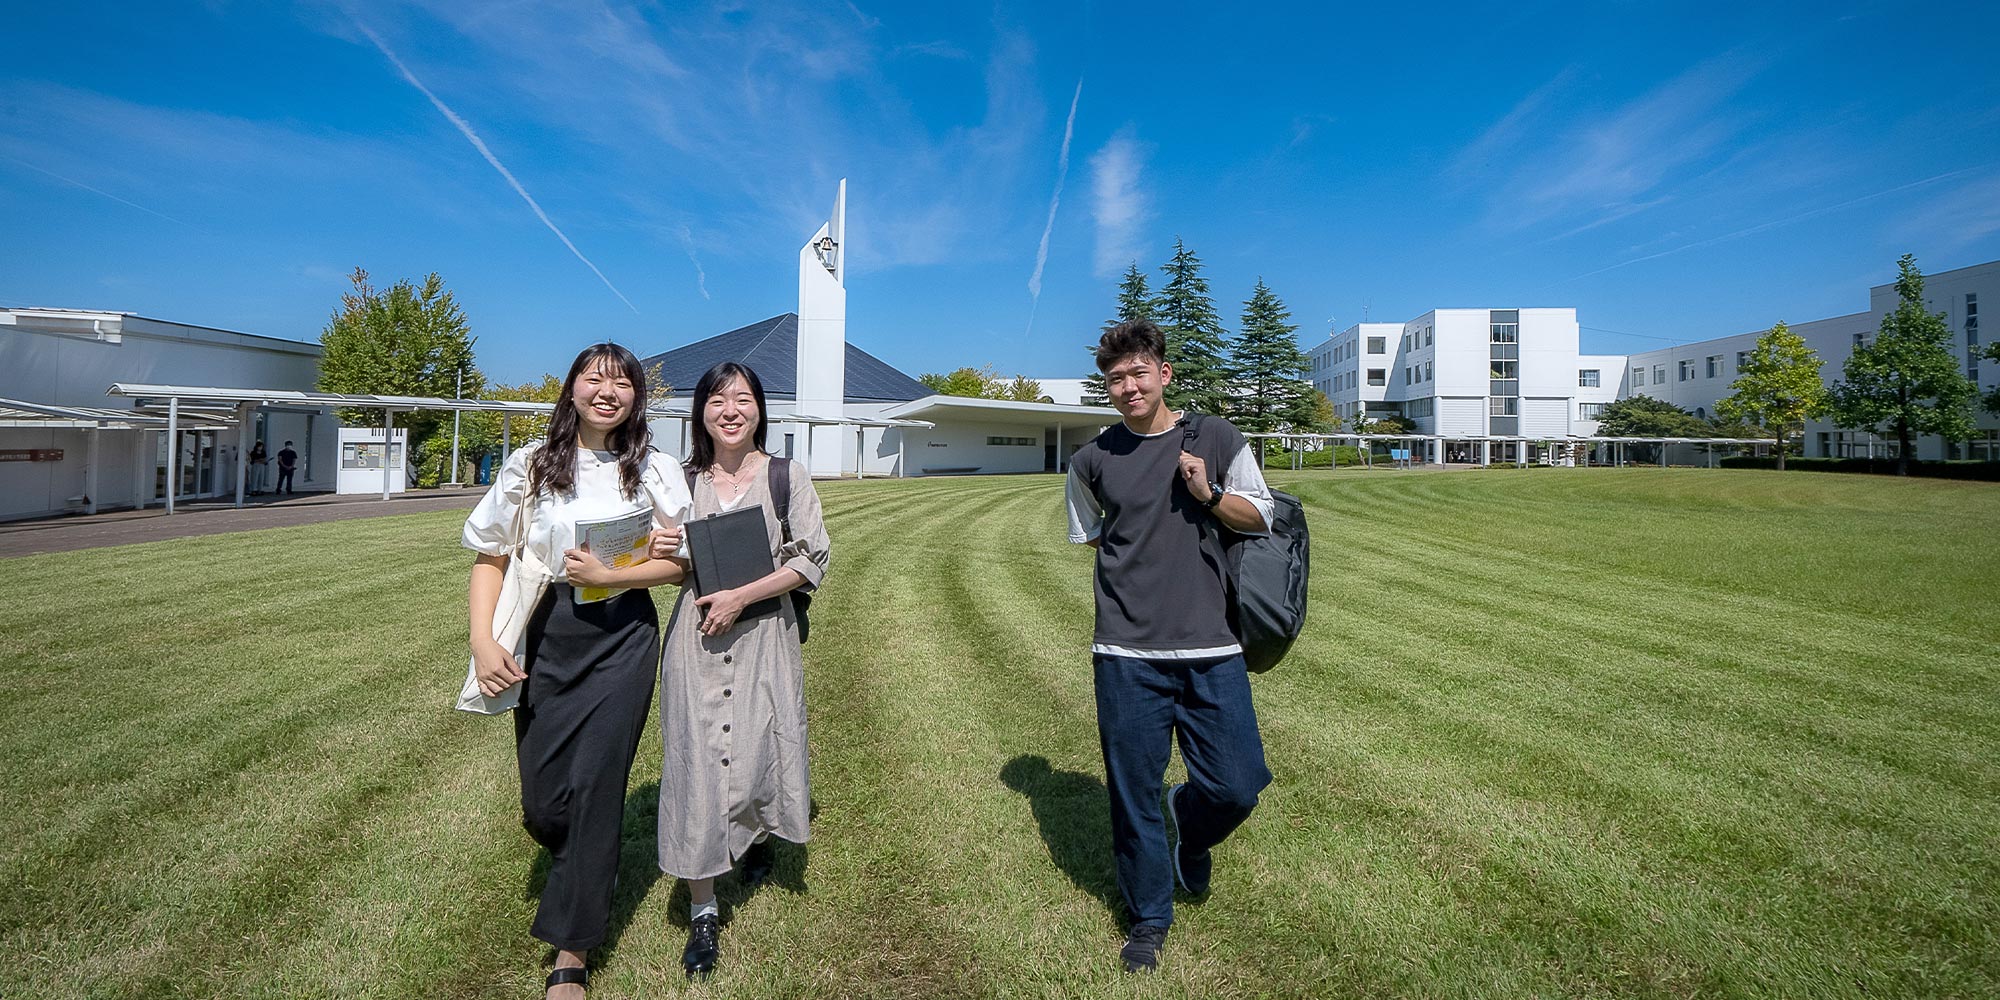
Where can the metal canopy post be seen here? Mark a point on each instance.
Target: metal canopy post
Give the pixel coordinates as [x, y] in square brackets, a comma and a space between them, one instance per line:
[90, 436]
[388, 435]
[243, 448]
[902, 467]
[173, 449]
[506, 440]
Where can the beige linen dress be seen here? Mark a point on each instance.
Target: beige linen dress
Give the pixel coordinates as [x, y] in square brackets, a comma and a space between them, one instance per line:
[733, 708]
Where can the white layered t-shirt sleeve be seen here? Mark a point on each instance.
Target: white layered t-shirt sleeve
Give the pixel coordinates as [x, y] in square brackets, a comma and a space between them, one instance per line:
[1086, 517]
[1246, 480]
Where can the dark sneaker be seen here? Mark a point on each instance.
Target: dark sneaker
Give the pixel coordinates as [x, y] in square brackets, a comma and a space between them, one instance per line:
[699, 957]
[1142, 948]
[1191, 871]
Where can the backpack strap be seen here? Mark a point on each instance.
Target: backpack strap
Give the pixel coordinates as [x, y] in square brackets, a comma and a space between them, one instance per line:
[779, 470]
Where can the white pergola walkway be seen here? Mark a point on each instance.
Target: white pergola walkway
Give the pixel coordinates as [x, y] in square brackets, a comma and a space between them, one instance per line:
[220, 408]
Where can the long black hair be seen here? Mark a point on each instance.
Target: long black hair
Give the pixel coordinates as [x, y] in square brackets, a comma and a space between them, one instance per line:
[702, 454]
[553, 467]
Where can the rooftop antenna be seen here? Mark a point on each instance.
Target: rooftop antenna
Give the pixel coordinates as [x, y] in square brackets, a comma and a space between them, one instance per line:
[1364, 312]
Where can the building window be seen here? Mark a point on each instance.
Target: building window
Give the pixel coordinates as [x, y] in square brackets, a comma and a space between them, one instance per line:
[1406, 341]
[1742, 359]
[1429, 338]
[1638, 377]
[1972, 364]
[1377, 345]
[1378, 376]
[1506, 333]
[1025, 441]
[1714, 365]
[1687, 370]
[1427, 371]
[1587, 377]
[1504, 369]
[1503, 406]
[1858, 339]
[1659, 374]
[1589, 411]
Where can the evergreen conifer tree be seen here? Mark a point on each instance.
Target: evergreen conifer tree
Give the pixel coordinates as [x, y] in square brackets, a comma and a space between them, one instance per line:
[1269, 372]
[1195, 344]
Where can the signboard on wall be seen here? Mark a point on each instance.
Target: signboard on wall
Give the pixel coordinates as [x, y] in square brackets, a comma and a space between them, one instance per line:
[32, 455]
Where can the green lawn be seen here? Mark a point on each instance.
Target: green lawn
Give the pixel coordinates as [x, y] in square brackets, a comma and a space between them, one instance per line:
[1550, 733]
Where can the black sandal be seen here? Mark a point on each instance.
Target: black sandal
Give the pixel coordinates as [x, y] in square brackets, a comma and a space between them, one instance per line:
[574, 976]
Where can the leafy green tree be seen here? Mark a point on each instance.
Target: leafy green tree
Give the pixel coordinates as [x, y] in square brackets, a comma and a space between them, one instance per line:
[983, 383]
[1777, 388]
[1992, 400]
[1644, 416]
[1907, 381]
[482, 431]
[1269, 372]
[1022, 389]
[1135, 302]
[1324, 419]
[406, 341]
[1195, 344]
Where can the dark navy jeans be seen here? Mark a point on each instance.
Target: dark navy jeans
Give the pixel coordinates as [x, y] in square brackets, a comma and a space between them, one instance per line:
[1141, 706]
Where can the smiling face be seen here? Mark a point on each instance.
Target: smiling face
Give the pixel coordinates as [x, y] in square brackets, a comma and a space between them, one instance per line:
[731, 416]
[1136, 384]
[604, 396]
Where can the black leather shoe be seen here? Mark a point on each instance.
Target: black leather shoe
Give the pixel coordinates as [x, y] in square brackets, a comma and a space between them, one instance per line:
[699, 957]
[757, 863]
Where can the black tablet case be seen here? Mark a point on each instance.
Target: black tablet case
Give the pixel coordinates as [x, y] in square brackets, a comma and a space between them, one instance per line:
[730, 550]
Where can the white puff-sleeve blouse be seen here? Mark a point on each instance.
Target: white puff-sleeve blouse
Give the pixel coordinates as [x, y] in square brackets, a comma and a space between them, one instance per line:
[551, 529]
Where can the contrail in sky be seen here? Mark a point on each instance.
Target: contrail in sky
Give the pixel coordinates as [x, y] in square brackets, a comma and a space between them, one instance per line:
[1062, 172]
[1801, 217]
[494, 160]
[700, 276]
[92, 190]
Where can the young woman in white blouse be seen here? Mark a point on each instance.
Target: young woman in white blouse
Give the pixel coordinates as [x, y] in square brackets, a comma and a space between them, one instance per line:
[589, 668]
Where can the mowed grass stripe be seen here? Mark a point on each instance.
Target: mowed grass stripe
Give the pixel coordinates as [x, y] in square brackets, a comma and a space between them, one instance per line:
[1649, 741]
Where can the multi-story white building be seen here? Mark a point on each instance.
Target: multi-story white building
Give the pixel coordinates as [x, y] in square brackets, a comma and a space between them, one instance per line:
[1694, 376]
[1470, 374]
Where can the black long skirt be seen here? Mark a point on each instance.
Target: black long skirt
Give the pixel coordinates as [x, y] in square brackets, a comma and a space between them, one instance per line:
[591, 670]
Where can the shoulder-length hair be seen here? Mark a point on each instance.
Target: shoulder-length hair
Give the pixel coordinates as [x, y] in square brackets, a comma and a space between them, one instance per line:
[701, 454]
[553, 468]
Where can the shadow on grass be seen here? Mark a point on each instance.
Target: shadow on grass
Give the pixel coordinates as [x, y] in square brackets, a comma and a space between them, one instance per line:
[638, 866]
[1074, 813]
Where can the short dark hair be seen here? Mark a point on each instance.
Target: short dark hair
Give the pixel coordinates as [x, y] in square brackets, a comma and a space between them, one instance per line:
[1138, 336]
[288, 444]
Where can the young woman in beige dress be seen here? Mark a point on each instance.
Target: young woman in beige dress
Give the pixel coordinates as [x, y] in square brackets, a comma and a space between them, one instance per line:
[732, 696]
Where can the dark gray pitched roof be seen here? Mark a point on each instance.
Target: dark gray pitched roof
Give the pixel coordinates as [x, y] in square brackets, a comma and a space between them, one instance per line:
[771, 349]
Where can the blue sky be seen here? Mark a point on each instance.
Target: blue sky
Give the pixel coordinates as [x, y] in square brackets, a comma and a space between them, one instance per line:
[1674, 171]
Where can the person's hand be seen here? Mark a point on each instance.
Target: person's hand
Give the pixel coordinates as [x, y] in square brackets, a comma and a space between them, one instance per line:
[494, 668]
[721, 610]
[665, 542]
[584, 570]
[1194, 471]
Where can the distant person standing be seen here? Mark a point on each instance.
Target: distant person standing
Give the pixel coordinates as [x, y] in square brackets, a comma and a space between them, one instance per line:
[1153, 495]
[288, 461]
[260, 463]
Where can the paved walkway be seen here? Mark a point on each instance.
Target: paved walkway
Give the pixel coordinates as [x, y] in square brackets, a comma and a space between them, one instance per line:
[126, 527]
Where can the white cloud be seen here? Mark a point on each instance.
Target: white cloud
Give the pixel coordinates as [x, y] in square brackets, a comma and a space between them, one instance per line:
[1119, 206]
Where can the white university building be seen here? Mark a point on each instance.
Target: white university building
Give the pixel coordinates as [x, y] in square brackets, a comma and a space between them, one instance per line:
[1501, 372]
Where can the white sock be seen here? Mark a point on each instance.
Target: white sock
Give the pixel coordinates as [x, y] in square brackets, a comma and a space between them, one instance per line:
[696, 911]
